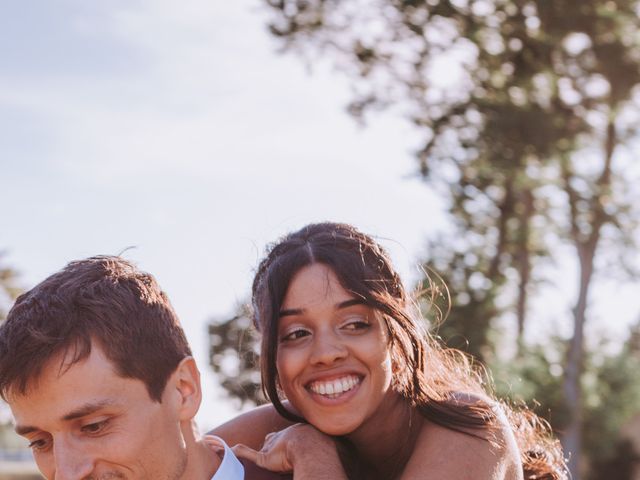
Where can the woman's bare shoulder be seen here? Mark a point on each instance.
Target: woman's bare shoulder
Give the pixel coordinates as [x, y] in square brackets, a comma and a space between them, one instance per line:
[490, 453]
[251, 427]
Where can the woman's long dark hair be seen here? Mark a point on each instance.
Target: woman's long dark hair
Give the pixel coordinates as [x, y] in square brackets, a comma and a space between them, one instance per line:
[432, 378]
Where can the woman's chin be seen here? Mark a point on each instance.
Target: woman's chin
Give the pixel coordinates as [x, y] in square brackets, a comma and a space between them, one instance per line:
[335, 428]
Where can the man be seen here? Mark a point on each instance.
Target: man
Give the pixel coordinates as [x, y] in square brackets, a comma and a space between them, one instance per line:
[100, 379]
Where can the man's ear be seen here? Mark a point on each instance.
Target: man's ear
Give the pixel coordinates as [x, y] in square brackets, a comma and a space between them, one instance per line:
[186, 382]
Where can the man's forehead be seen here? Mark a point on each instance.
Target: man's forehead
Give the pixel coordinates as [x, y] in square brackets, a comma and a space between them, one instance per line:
[66, 385]
[57, 365]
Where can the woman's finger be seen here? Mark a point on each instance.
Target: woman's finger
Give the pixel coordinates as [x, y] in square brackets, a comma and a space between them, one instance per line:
[267, 459]
[247, 453]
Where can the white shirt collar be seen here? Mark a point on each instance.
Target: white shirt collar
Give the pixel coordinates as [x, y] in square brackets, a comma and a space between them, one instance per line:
[230, 468]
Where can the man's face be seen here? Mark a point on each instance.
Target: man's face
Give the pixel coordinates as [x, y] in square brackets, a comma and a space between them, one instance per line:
[88, 422]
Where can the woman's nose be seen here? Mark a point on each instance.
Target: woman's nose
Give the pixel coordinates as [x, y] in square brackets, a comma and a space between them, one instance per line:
[327, 349]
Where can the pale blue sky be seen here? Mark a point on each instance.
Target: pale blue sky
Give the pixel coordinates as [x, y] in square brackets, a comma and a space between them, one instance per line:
[174, 127]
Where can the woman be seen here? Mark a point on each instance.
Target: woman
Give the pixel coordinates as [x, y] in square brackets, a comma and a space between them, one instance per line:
[365, 383]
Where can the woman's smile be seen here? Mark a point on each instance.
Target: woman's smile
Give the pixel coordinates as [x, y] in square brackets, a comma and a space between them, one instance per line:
[334, 388]
[335, 392]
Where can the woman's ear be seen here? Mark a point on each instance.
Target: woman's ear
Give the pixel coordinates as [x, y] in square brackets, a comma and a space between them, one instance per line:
[186, 382]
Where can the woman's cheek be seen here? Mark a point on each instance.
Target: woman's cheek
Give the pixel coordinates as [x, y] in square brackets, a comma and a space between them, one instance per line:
[290, 364]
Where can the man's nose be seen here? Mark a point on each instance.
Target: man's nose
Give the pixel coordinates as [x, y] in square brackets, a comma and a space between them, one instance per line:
[72, 462]
[327, 349]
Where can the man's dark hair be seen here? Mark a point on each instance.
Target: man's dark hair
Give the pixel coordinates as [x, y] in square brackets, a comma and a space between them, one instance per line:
[104, 301]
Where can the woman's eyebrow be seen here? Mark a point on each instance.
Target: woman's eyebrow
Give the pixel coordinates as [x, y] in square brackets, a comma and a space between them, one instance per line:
[291, 311]
[346, 304]
[350, 303]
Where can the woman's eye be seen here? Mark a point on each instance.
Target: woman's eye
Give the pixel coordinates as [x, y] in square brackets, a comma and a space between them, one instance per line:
[95, 427]
[294, 335]
[355, 325]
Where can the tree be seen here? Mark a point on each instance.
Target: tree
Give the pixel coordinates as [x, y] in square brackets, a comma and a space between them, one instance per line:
[234, 350]
[9, 291]
[527, 144]
[611, 391]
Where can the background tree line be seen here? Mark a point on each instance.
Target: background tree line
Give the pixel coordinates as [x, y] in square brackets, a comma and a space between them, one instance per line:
[9, 291]
[530, 143]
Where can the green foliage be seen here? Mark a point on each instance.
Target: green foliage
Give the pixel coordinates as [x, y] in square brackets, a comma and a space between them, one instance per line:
[9, 291]
[612, 398]
[622, 465]
[468, 307]
[234, 349]
[610, 388]
[534, 377]
[9, 288]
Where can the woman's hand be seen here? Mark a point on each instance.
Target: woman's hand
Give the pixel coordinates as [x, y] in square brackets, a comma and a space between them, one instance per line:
[300, 449]
[282, 449]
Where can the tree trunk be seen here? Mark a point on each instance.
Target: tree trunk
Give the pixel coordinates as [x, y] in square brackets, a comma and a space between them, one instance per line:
[523, 259]
[572, 438]
[586, 247]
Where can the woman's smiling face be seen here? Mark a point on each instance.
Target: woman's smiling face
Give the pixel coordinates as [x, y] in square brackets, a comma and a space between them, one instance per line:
[333, 358]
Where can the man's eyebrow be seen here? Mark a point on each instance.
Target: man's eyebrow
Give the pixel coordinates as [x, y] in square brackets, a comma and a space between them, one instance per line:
[339, 306]
[88, 409]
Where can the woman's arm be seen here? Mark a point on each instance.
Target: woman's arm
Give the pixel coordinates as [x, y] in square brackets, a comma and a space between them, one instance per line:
[252, 427]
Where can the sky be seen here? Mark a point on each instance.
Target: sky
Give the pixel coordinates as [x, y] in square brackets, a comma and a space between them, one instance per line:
[174, 131]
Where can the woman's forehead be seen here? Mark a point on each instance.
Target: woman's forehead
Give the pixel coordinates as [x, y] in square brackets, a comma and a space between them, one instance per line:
[314, 284]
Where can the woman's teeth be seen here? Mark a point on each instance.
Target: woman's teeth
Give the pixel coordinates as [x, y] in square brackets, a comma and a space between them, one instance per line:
[335, 387]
